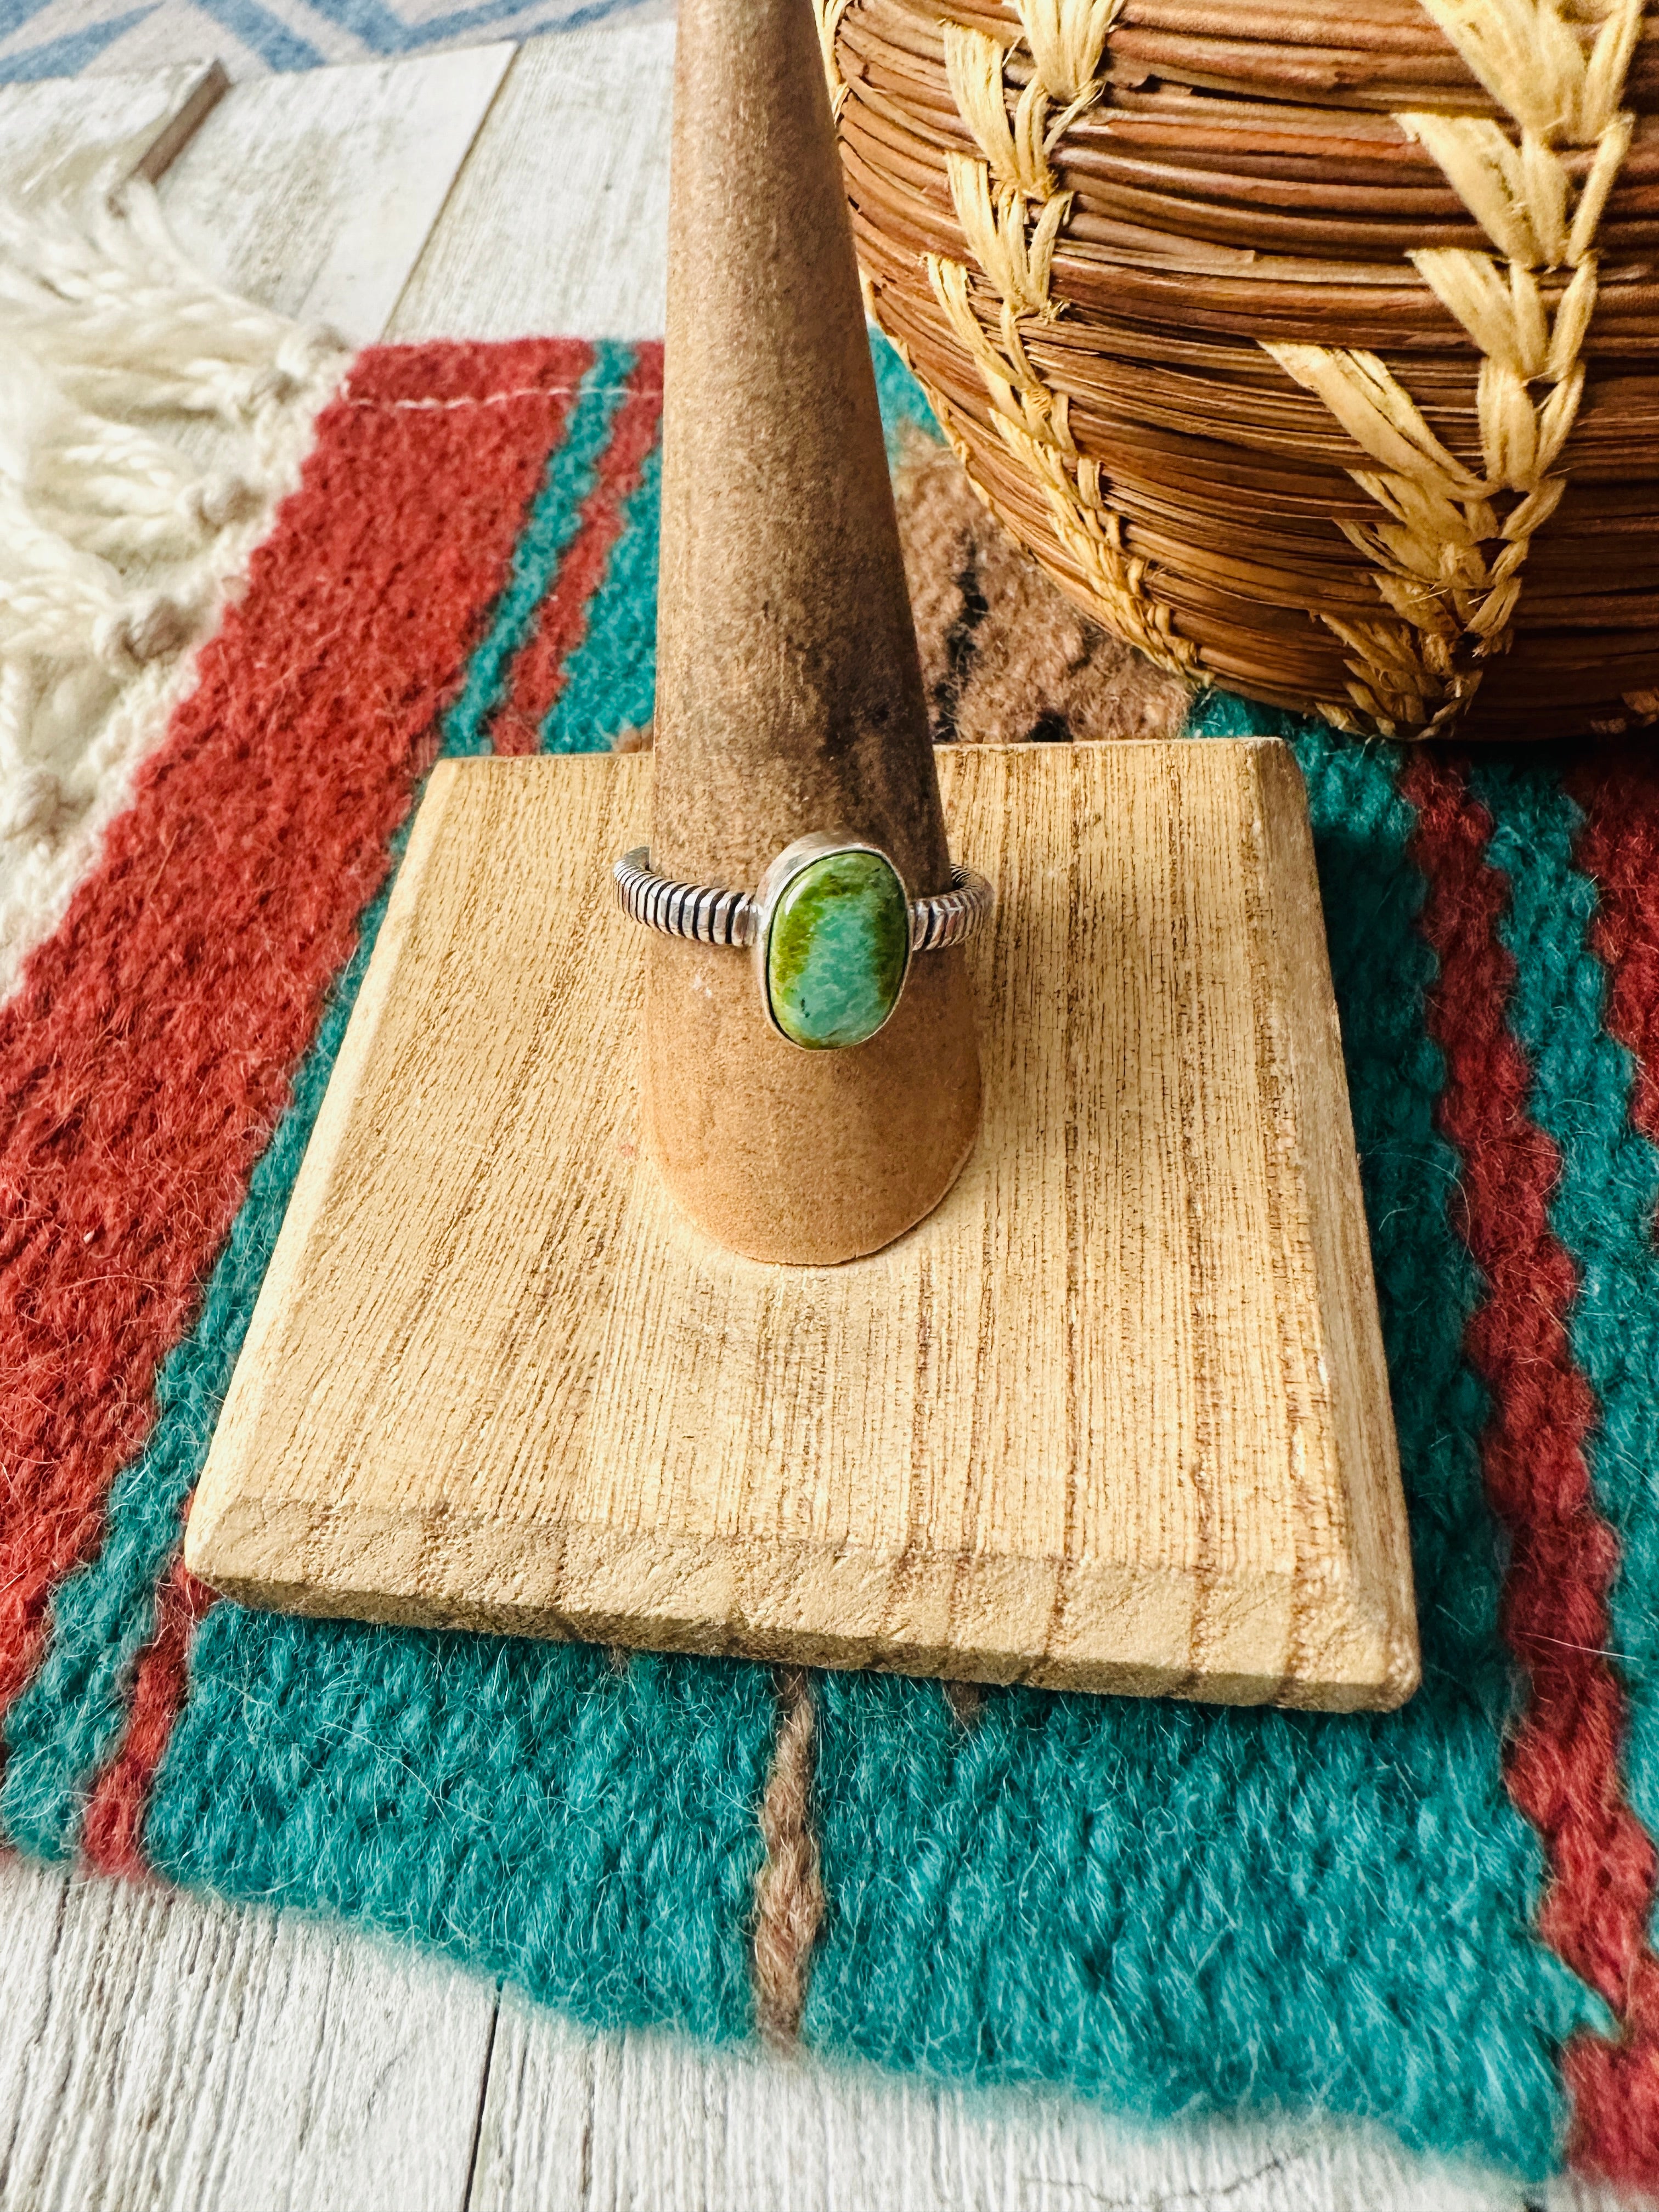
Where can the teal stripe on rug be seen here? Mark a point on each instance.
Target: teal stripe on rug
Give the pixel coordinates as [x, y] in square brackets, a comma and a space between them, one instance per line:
[554, 520]
[905, 407]
[1603, 1209]
[1171, 1907]
[524, 1809]
[610, 681]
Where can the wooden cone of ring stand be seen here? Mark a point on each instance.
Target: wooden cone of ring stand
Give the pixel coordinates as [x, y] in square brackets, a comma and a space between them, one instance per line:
[1114, 1416]
[789, 695]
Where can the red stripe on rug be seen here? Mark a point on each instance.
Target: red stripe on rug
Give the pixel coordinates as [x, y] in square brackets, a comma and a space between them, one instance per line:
[1619, 849]
[1563, 1767]
[536, 677]
[1617, 2091]
[146, 1057]
[110, 1839]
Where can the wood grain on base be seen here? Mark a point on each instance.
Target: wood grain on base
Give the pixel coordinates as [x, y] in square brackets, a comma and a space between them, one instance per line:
[1116, 1417]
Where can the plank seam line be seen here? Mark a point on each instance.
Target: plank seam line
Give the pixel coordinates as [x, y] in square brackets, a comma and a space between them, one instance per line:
[483, 2095]
[456, 174]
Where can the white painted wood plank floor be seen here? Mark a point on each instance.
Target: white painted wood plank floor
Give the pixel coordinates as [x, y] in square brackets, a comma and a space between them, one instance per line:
[169, 2052]
[172, 2053]
[66, 131]
[316, 194]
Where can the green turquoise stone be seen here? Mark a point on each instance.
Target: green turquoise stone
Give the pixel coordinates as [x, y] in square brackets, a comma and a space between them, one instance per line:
[836, 950]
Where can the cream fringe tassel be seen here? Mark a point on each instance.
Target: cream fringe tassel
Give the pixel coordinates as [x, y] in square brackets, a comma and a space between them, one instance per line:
[149, 424]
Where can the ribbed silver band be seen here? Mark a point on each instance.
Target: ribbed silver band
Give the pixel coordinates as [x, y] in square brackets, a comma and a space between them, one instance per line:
[712, 916]
[951, 915]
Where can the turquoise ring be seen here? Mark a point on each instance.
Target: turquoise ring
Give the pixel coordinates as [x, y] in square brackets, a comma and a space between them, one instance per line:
[831, 927]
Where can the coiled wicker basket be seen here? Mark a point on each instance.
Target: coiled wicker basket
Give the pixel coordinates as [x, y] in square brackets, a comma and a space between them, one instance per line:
[1312, 345]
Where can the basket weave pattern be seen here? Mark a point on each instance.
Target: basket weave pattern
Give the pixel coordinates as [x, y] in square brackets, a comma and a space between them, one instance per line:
[1314, 350]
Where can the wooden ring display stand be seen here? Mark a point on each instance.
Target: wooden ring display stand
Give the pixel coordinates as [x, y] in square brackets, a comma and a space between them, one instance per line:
[789, 695]
[1112, 1416]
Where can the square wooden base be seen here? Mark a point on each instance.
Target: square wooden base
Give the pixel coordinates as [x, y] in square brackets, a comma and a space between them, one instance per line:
[1114, 1418]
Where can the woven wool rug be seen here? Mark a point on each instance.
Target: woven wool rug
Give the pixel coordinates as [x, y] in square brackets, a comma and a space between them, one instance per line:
[1440, 1918]
[62, 37]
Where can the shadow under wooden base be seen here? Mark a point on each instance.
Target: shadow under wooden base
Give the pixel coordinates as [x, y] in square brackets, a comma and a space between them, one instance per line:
[1114, 1418]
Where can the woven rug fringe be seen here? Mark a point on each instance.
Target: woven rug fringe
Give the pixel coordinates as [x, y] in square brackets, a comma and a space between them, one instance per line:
[149, 423]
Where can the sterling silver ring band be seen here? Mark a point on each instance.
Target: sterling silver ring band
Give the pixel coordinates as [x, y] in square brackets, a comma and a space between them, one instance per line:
[831, 930]
[726, 917]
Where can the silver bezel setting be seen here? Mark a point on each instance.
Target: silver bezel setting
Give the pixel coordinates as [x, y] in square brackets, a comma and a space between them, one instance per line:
[779, 876]
[709, 913]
